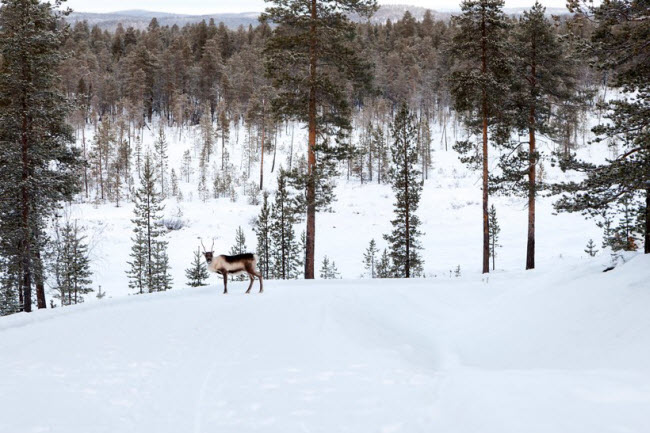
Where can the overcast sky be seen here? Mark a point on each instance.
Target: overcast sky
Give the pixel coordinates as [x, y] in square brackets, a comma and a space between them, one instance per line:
[212, 6]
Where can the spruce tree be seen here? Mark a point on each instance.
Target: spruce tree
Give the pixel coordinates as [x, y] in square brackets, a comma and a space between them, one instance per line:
[495, 229]
[370, 259]
[240, 243]
[71, 264]
[263, 231]
[479, 85]
[239, 248]
[149, 264]
[310, 60]
[38, 167]
[591, 248]
[384, 266]
[407, 184]
[285, 250]
[328, 270]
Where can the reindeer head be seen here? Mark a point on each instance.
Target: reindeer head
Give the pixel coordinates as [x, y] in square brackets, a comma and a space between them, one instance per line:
[208, 254]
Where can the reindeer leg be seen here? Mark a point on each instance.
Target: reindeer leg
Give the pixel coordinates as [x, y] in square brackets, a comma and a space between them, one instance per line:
[225, 282]
[251, 284]
[259, 275]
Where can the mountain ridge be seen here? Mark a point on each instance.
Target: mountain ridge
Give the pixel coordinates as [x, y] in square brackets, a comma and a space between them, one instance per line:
[140, 18]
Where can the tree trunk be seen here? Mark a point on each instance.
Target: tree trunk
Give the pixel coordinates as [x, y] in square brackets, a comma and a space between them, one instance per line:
[407, 211]
[262, 152]
[646, 249]
[40, 284]
[83, 142]
[486, 223]
[311, 159]
[25, 249]
[530, 246]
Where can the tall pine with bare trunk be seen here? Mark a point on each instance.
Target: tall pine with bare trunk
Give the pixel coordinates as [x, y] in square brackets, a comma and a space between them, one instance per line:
[479, 84]
[311, 60]
[545, 78]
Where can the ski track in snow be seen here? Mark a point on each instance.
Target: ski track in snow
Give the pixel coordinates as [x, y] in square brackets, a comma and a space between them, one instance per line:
[562, 351]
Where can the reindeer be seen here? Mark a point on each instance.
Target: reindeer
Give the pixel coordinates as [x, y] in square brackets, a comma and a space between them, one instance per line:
[233, 265]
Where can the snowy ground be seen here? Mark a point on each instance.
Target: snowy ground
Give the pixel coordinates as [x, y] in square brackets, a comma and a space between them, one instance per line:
[560, 351]
[564, 348]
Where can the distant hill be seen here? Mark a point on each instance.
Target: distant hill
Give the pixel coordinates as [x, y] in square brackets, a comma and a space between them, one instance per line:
[140, 19]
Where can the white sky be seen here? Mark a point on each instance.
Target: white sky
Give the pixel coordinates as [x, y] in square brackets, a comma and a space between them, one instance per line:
[214, 6]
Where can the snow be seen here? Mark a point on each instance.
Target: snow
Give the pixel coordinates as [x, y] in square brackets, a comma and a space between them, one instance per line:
[560, 351]
[563, 348]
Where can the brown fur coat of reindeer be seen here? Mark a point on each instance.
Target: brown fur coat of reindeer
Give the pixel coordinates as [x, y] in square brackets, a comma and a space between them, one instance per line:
[233, 265]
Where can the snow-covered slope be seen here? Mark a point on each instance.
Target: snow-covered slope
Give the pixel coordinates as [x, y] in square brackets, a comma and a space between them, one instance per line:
[565, 350]
[450, 211]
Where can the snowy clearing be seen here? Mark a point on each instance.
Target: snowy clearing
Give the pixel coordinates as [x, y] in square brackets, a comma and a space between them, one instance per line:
[561, 351]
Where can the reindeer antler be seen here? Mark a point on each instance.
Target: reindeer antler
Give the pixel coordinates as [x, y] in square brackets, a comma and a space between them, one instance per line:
[202, 245]
[212, 247]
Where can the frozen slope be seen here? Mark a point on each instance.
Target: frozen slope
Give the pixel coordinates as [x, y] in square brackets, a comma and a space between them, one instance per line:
[561, 351]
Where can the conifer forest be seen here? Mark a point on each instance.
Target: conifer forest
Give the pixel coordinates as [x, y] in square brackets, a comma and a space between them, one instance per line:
[474, 181]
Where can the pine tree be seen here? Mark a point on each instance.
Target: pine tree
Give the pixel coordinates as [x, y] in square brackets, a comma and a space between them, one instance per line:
[174, 184]
[620, 44]
[384, 266]
[71, 264]
[104, 143]
[285, 250]
[308, 35]
[186, 166]
[161, 279]
[240, 243]
[495, 229]
[546, 79]
[207, 137]
[239, 248]
[381, 157]
[38, 168]
[328, 270]
[407, 185]
[480, 84]
[223, 133]
[621, 236]
[161, 157]
[370, 259]
[263, 231]
[591, 248]
[149, 265]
